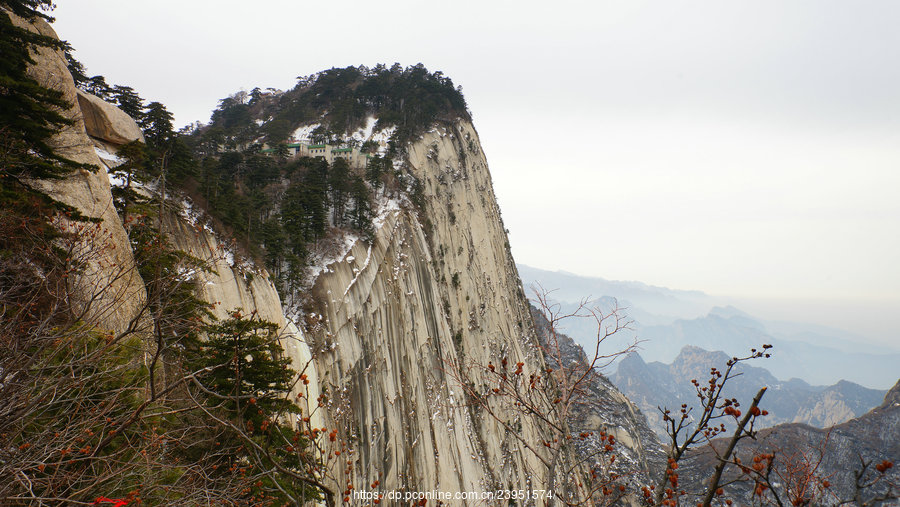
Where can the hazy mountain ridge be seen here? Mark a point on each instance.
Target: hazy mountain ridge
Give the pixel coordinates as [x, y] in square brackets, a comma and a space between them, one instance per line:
[816, 364]
[654, 384]
[667, 320]
[663, 303]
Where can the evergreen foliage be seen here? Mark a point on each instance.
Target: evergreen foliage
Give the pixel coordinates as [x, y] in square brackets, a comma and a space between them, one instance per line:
[79, 73]
[339, 184]
[129, 101]
[246, 368]
[249, 380]
[157, 125]
[97, 85]
[411, 98]
[30, 115]
[359, 214]
[29, 9]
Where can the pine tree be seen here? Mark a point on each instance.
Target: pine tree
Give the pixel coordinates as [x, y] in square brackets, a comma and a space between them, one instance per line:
[339, 184]
[255, 95]
[274, 240]
[360, 214]
[30, 115]
[97, 85]
[129, 101]
[246, 369]
[375, 170]
[79, 73]
[157, 125]
[29, 9]
[135, 165]
[316, 199]
[247, 362]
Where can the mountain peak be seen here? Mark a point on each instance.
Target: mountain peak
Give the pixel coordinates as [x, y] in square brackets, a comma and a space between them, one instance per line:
[892, 398]
[691, 353]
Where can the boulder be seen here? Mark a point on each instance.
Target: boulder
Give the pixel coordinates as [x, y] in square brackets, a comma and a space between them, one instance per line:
[105, 121]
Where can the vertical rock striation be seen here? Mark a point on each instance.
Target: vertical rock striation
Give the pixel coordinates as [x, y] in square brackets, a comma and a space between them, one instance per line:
[401, 325]
[437, 287]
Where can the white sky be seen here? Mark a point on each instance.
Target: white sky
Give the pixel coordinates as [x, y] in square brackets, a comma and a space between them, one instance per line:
[743, 148]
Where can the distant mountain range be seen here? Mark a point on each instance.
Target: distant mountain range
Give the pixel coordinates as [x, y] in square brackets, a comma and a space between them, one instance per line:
[652, 385]
[836, 454]
[827, 413]
[667, 320]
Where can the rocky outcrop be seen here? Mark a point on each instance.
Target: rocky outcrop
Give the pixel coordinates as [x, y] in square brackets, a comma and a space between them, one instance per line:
[826, 410]
[407, 320]
[230, 284]
[109, 265]
[892, 398]
[106, 122]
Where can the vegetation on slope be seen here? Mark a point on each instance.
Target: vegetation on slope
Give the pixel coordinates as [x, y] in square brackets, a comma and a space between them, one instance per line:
[275, 206]
[162, 411]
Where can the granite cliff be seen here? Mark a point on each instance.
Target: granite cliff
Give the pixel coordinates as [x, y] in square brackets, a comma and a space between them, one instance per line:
[89, 192]
[389, 325]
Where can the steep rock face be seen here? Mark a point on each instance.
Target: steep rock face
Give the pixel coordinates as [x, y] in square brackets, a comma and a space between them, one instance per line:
[109, 263]
[231, 286]
[429, 293]
[830, 409]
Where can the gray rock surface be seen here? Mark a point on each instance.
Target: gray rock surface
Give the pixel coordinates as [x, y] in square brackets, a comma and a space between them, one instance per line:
[434, 290]
[105, 121]
[109, 262]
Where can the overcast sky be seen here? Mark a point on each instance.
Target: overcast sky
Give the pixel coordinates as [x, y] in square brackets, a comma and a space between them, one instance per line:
[739, 148]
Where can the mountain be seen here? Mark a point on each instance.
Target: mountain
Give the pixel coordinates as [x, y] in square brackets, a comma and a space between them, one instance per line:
[383, 296]
[666, 320]
[301, 302]
[816, 364]
[646, 303]
[834, 454]
[654, 384]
